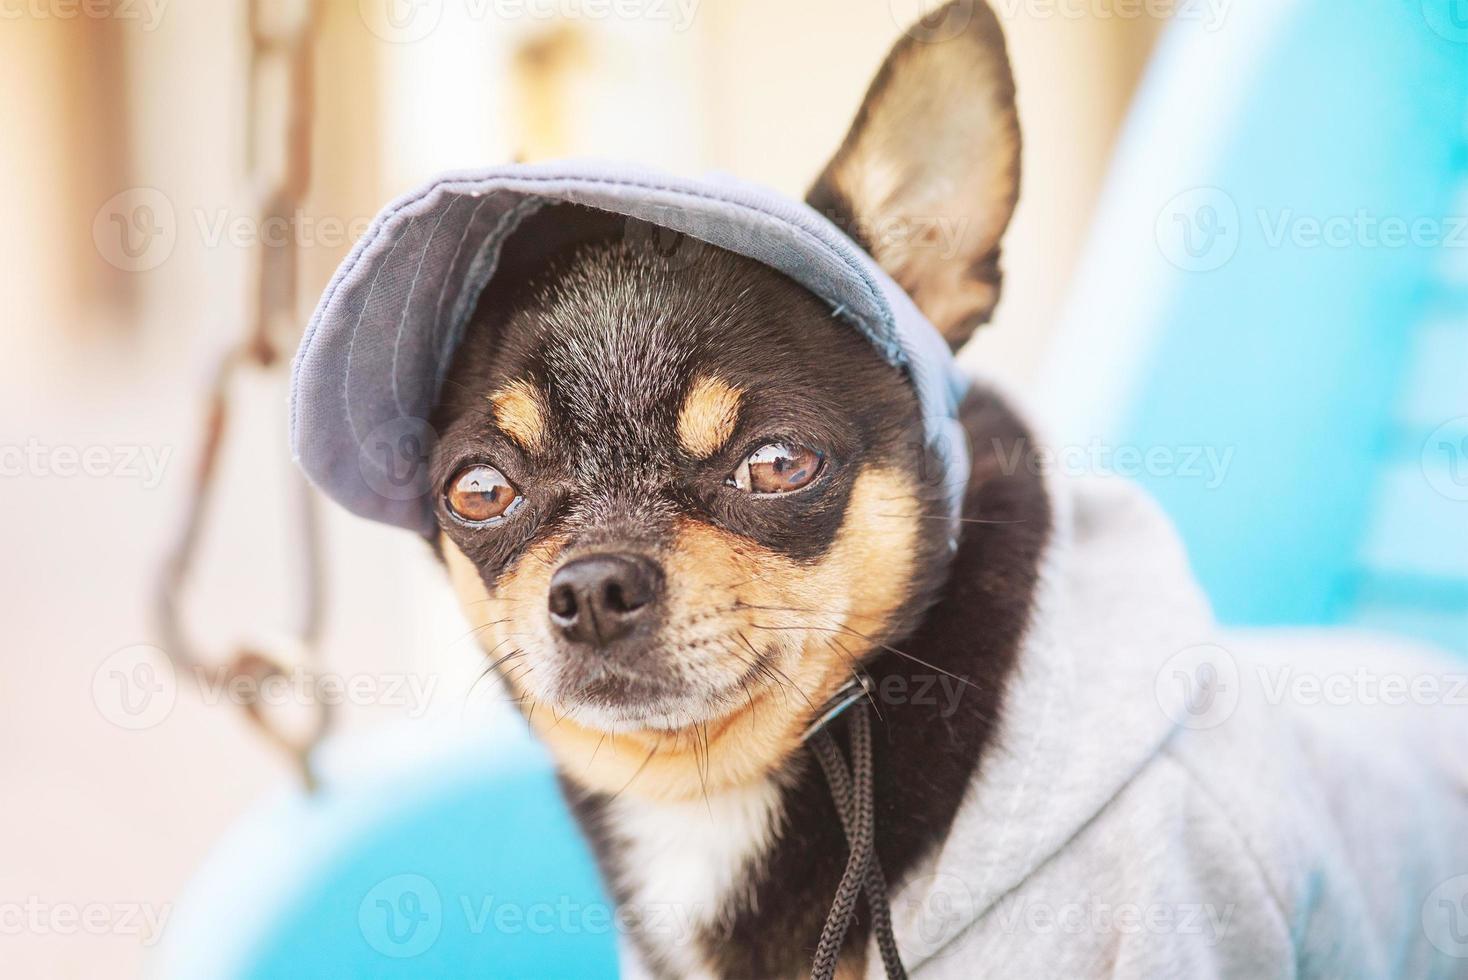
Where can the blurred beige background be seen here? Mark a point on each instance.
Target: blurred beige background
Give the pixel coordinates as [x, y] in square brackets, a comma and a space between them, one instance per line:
[104, 354]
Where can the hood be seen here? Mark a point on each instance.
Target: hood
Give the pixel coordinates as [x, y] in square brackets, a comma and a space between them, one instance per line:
[1093, 700]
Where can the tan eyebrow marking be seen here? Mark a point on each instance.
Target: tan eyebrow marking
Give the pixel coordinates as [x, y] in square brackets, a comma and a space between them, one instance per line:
[519, 412]
[707, 418]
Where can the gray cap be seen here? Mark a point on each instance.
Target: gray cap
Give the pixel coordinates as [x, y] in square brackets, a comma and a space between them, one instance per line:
[374, 356]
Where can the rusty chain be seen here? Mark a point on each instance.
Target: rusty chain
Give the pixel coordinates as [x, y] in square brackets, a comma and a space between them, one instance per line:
[282, 35]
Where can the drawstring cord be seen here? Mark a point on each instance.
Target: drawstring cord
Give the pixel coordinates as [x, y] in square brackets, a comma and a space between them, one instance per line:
[852, 794]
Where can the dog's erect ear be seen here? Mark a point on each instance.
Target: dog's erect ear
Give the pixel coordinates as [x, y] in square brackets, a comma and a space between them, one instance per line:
[927, 178]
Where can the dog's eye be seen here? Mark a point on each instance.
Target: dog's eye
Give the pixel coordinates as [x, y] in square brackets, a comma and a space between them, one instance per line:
[777, 468]
[480, 494]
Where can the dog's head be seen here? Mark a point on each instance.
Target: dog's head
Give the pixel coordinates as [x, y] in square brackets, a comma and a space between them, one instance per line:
[681, 499]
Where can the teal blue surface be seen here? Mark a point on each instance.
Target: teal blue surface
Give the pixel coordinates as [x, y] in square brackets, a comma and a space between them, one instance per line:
[1301, 355]
[484, 877]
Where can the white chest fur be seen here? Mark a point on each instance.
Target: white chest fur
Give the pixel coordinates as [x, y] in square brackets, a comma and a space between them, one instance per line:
[683, 863]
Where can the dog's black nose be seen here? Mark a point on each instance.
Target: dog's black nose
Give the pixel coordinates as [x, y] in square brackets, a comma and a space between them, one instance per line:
[601, 598]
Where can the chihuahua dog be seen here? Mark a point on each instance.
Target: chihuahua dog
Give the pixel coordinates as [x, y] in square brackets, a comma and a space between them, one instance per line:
[710, 514]
[687, 507]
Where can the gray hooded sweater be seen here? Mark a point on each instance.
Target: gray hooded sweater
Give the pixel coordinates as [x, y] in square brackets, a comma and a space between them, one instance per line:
[1165, 800]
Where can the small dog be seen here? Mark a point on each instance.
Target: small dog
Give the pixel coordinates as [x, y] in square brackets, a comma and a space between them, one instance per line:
[685, 504]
